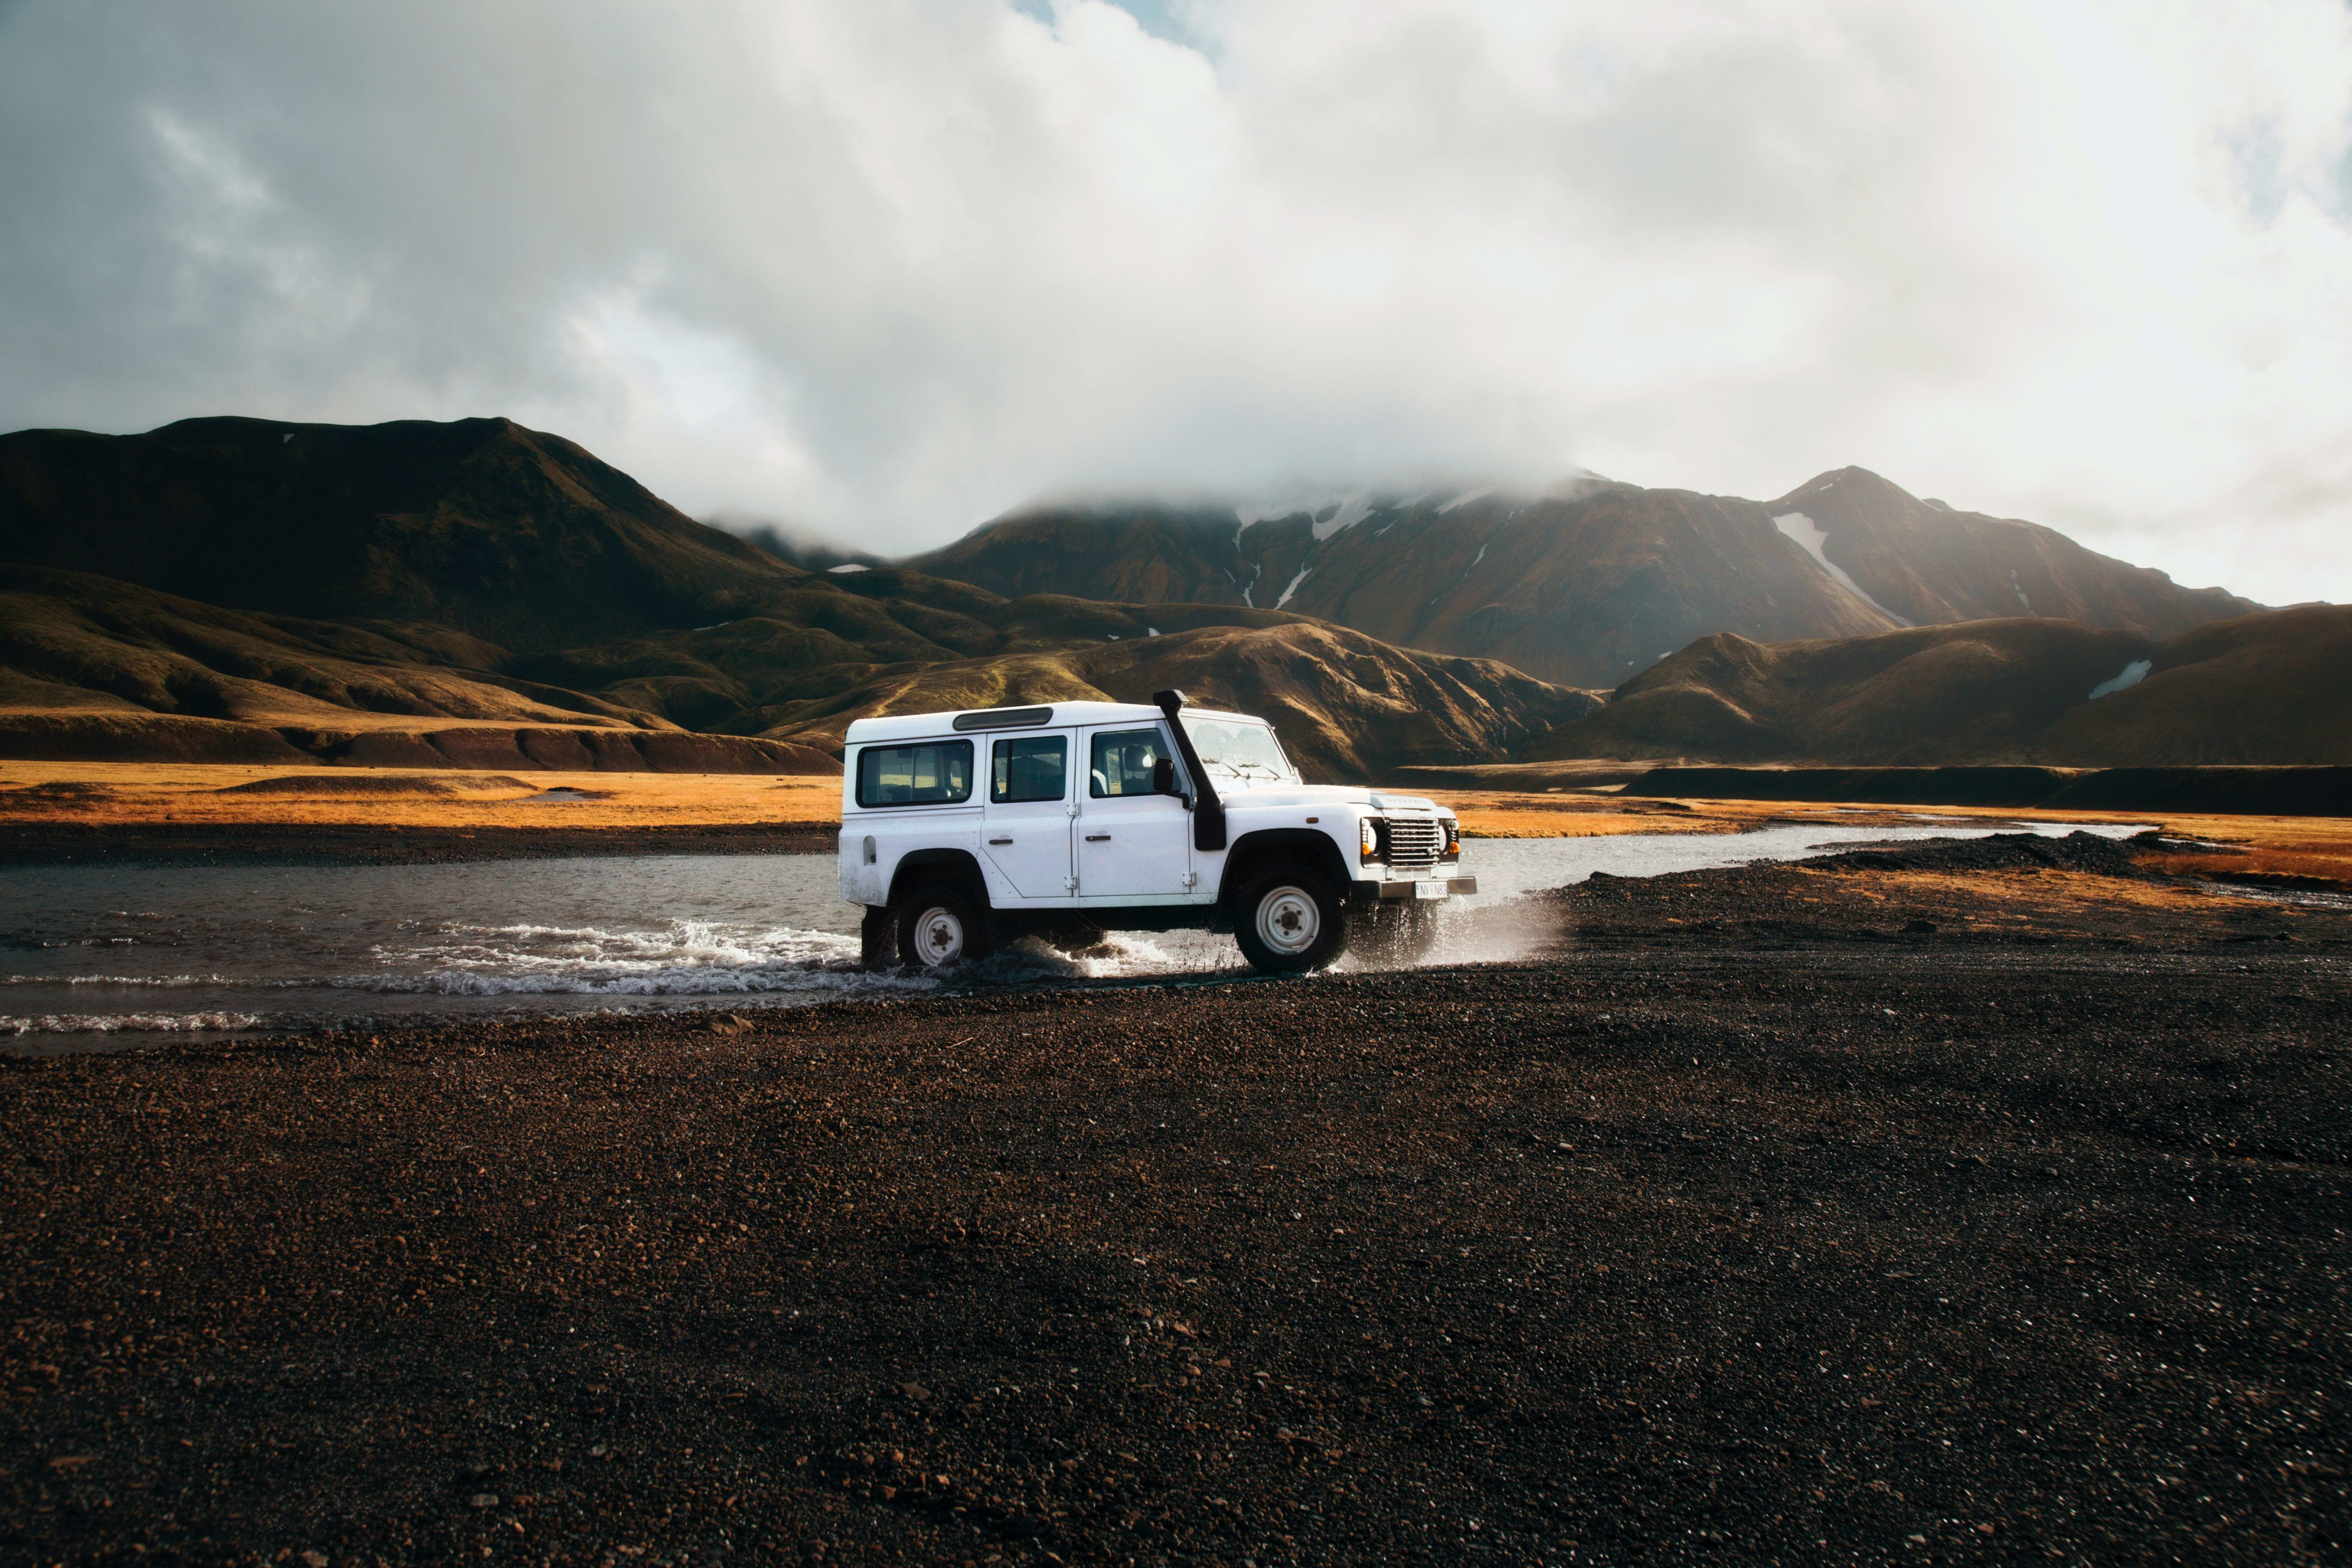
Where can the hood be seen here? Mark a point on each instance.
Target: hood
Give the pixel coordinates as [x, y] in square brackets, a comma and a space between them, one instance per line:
[1274, 793]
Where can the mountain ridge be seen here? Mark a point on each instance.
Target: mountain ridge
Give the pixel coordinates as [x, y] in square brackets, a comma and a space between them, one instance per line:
[1585, 584]
[441, 582]
[511, 534]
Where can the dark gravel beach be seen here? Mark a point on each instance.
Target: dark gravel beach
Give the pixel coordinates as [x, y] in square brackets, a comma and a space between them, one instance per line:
[1720, 1234]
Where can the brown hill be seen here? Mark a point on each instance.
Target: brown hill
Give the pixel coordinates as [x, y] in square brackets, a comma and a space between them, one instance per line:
[92, 668]
[1348, 707]
[502, 532]
[1346, 703]
[1586, 585]
[74, 640]
[2272, 688]
[778, 668]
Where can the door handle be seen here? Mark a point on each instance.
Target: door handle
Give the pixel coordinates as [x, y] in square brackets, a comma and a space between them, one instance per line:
[1096, 837]
[999, 841]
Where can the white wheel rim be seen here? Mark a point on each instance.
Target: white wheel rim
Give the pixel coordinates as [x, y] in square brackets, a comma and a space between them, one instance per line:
[1288, 920]
[939, 937]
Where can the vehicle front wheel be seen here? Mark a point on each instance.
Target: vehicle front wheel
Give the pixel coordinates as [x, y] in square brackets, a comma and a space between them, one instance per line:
[1290, 921]
[939, 928]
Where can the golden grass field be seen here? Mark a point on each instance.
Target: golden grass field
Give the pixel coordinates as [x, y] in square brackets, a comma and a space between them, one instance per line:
[133, 794]
[144, 793]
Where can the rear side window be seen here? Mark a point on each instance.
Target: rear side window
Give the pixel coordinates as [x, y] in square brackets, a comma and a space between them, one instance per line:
[937, 773]
[1122, 762]
[1030, 767]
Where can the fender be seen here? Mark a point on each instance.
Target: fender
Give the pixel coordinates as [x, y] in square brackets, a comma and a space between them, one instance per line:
[1252, 850]
[955, 866]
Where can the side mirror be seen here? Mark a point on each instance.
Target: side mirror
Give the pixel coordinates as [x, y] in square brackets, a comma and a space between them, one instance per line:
[1163, 777]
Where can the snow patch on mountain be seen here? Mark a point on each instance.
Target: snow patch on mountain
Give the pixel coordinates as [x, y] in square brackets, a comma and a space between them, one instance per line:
[1349, 511]
[2131, 674]
[1808, 536]
[1326, 513]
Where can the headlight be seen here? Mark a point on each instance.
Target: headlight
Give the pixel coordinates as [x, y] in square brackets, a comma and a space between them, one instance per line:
[1371, 838]
[1452, 838]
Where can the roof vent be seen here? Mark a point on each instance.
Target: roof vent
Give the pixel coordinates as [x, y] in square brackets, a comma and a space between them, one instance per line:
[1005, 719]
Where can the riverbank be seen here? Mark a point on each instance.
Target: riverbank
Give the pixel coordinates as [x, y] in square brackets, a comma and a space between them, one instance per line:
[372, 844]
[1697, 1237]
[102, 814]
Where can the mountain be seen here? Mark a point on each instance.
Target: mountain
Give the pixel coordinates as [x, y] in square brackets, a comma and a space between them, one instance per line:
[482, 593]
[1924, 564]
[1587, 583]
[503, 533]
[432, 593]
[2270, 689]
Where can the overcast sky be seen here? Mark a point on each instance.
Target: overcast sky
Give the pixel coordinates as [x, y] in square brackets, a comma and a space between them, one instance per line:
[884, 268]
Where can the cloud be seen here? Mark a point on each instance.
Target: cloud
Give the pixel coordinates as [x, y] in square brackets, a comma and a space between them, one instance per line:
[886, 267]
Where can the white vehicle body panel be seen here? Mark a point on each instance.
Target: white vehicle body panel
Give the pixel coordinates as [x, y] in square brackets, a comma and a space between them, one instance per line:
[1136, 848]
[1098, 850]
[1028, 841]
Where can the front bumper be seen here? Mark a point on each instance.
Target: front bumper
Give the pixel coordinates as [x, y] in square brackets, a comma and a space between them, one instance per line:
[1368, 888]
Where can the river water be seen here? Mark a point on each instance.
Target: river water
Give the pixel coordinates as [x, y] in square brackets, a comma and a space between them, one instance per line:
[102, 958]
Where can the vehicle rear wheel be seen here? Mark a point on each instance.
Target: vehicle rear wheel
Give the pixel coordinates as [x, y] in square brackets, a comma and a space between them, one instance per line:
[1290, 921]
[939, 928]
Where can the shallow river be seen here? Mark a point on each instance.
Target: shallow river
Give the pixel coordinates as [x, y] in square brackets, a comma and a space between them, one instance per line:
[102, 958]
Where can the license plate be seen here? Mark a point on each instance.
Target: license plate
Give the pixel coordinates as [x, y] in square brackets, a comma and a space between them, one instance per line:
[1430, 890]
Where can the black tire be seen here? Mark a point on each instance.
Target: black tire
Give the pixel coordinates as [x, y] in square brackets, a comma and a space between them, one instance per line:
[937, 928]
[1290, 921]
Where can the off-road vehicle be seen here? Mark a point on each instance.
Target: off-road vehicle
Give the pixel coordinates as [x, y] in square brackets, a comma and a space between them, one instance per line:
[963, 831]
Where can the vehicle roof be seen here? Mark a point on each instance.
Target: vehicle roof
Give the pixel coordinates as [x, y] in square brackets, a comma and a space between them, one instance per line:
[1061, 716]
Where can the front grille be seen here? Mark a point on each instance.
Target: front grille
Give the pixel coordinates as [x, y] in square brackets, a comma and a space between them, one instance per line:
[1414, 845]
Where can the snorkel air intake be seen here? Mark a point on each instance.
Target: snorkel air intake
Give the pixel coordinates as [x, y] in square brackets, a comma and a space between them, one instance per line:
[1208, 811]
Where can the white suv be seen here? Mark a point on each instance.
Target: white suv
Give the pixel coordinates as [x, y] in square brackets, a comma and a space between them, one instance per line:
[960, 831]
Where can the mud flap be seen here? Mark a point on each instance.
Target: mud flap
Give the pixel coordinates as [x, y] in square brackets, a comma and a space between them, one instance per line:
[878, 940]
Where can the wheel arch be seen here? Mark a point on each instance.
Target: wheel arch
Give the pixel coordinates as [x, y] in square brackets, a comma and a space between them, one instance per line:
[1253, 852]
[958, 869]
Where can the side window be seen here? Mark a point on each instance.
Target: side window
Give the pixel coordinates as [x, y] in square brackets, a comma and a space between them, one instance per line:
[1029, 767]
[937, 773]
[1122, 762]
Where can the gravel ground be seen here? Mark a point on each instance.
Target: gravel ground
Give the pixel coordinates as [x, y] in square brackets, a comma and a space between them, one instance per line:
[1696, 1241]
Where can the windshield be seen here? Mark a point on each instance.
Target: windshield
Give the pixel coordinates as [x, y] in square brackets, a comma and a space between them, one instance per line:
[1237, 748]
